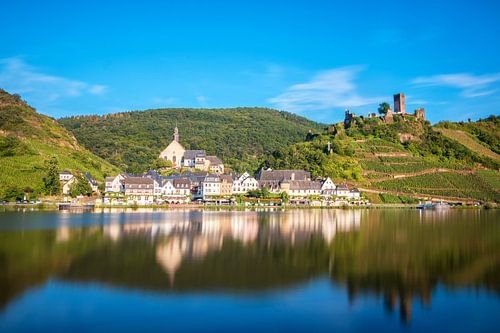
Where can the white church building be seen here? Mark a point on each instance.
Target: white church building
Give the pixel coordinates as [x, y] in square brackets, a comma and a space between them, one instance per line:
[195, 159]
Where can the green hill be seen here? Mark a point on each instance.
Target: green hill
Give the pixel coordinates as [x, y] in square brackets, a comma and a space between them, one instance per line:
[482, 136]
[407, 158]
[29, 139]
[240, 136]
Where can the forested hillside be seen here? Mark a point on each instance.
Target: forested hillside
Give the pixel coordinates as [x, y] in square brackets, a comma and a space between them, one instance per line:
[407, 158]
[239, 136]
[29, 140]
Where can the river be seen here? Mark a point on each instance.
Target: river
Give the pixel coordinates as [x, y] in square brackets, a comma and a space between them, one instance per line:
[291, 270]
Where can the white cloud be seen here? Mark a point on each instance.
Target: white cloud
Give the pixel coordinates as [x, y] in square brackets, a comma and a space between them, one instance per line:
[17, 76]
[98, 89]
[202, 101]
[470, 85]
[326, 90]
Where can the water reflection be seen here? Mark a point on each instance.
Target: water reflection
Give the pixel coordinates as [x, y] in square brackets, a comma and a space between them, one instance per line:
[397, 255]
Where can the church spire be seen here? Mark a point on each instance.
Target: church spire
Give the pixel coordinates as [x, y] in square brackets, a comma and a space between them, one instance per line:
[176, 133]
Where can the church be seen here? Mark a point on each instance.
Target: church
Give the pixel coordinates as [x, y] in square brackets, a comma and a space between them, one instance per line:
[194, 159]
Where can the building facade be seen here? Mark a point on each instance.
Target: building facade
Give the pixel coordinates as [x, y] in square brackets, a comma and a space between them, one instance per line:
[195, 159]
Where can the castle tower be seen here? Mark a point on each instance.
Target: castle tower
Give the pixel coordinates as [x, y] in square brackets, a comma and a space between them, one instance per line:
[176, 134]
[420, 114]
[349, 119]
[399, 103]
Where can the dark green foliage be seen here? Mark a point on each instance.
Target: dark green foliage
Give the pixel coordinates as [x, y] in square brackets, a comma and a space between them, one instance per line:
[383, 108]
[397, 199]
[160, 163]
[262, 193]
[240, 136]
[13, 193]
[313, 156]
[12, 146]
[51, 180]
[81, 186]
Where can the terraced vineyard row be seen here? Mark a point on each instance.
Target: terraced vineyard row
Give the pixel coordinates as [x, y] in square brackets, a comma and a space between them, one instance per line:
[445, 184]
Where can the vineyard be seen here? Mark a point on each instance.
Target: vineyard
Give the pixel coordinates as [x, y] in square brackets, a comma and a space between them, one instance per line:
[29, 139]
[390, 166]
[446, 184]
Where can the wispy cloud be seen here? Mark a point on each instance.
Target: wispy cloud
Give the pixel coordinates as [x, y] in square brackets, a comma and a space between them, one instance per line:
[410, 100]
[17, 76]
[470, 85]
[326, 90]
[202, 101]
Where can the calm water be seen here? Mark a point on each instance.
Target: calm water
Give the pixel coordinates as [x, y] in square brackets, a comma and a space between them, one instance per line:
[296, 270]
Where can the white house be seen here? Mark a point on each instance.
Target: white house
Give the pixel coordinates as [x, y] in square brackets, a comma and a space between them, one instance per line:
[355, 194]
[139, 190]
[182, 187]
[303, 188]
[190, 157]
[167, 188]
[244, 183]
[65, 175]
[343, 191]
[211, 186]
[328, 187]
[67, 185]
[115, 184]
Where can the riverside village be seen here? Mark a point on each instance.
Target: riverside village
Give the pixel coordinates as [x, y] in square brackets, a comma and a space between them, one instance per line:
[198, 178]
[206, 182]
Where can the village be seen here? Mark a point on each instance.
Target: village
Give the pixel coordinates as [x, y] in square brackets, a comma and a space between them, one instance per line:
[205, 182]
[201, 178]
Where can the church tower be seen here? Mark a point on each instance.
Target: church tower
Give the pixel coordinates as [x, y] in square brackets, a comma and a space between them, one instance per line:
[176, 134]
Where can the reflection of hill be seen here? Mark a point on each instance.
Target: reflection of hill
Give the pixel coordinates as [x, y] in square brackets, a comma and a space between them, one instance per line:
[397, 254]
[28, 259]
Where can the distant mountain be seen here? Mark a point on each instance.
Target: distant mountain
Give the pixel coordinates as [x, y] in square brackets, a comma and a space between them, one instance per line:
[403, 161]
[239, 136]
[29, 139]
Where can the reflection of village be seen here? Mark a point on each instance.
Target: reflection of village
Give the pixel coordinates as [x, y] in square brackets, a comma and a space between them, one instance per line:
[192, 234]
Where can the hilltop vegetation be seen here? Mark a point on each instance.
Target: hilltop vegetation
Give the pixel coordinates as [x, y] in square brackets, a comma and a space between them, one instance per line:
[481, 136]
[29, 140]
[239, 136]
[407, 158]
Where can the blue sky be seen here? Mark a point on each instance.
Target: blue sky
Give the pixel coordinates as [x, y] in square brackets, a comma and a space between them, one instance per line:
[314, 58]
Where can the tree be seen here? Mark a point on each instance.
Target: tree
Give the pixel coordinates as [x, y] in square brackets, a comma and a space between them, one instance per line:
[284, 197]
[160, 163]
[383, 108]
[13, 193]
[80, 186]
[51, 184]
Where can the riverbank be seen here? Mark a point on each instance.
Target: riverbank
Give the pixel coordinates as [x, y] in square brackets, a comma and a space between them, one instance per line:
[52, 206]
